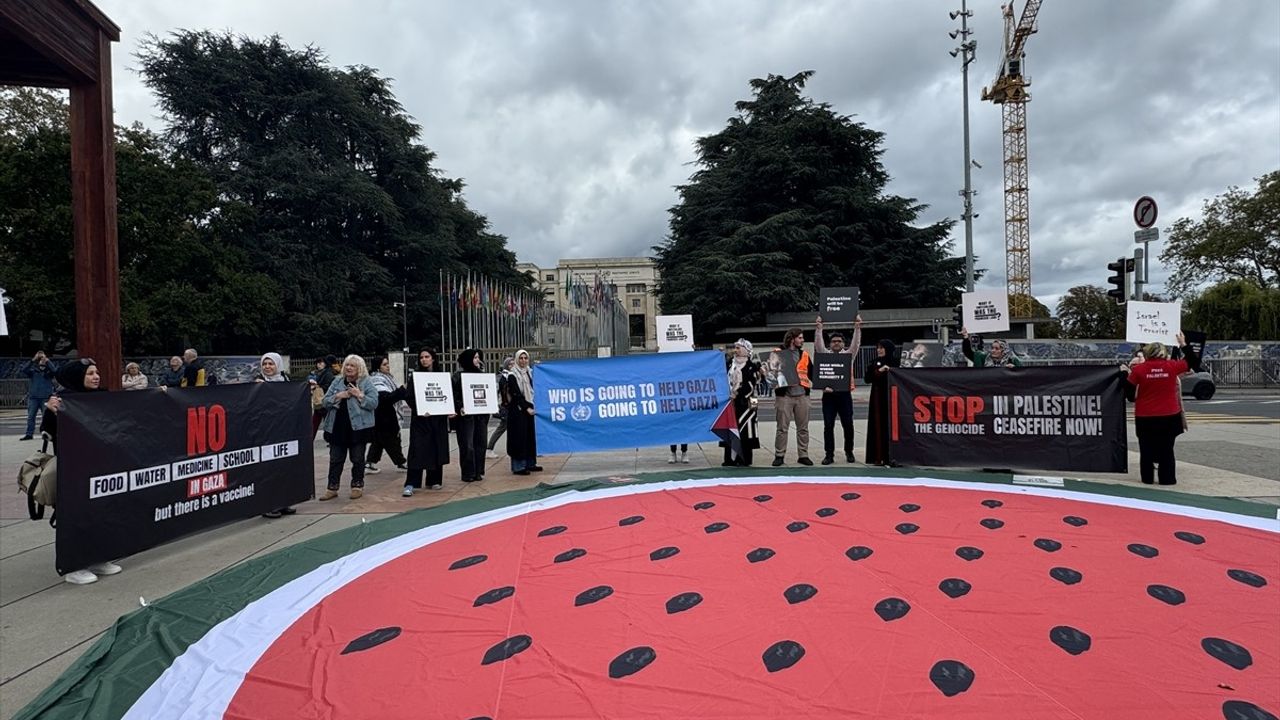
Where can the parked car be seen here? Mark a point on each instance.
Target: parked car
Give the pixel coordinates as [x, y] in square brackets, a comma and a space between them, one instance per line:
[1198, 385]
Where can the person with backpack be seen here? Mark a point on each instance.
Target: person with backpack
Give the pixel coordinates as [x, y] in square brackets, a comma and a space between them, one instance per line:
[76, 376]
[503, 399]
[386, 420]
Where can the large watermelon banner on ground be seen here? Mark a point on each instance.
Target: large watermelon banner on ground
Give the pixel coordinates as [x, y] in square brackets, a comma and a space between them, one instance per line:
[1059, 418]
[136, 469]
[625, 402]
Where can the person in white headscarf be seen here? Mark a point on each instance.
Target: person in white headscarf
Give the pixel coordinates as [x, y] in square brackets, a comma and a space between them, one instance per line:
[744, 373]
[271, 369]
[522, 440]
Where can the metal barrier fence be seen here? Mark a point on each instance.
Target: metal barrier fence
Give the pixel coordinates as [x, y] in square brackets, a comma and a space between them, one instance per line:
[1244, 372]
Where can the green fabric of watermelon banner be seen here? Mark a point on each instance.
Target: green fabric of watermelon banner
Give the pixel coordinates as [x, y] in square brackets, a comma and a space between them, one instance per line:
[1053, 418]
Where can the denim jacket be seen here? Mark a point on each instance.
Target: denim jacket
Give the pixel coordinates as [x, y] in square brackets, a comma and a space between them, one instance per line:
[361, 411]
[41, 379]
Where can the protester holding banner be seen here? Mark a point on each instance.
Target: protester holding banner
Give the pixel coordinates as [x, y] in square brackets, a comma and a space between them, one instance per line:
[791, 397]
[1158, 419]
[269, 370]
[837, 403]
[999, 356]
[75, 376]
[386, 421]
[878, 408]
[348, 424]
[472, 429]
[428, 434]
[522, 440]
[507, 363]
[744, 372]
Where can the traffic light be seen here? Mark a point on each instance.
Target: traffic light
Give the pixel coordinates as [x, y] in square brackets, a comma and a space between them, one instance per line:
[957, 315]
[1117, 281]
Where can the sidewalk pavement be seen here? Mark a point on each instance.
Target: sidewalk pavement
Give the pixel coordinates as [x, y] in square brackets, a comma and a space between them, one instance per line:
[45, 623]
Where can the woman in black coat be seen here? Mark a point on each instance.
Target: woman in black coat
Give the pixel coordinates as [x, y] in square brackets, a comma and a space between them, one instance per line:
[522, 439]
[744, 372]
[428, 434]
[472, 430]
[877, 376]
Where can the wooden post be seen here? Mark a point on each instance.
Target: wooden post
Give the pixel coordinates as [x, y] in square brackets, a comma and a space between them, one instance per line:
[93, 197]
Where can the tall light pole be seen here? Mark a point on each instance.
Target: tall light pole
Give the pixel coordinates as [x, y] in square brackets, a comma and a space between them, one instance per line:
[967, 51]
[404, 314]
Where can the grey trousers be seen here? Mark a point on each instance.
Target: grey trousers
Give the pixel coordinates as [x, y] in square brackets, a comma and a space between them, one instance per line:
[790, 408]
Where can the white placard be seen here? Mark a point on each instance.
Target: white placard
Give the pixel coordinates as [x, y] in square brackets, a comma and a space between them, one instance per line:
[604, 351]
[986, 311]
[1039, 480]
[1152, 322]
[4, 323]
[480, 394]
[675, 333]
[433, 392]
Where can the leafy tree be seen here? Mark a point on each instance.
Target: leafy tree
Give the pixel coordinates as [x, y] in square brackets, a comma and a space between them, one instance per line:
[789, 198]
[1238, 238]
[1086, 312]
[1235, 310]
[1037, 309]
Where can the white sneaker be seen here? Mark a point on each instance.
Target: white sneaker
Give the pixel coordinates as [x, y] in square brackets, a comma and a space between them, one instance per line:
[81, 577]
[408, 491]
[106, 568]
[672, 461]
[684, 458]
[371, 470]
[491, 455]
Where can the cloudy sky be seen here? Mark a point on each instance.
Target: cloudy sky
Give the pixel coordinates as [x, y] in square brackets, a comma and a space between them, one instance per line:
[571, 121]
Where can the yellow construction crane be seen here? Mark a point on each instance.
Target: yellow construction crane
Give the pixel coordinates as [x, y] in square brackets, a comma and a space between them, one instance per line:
[1009, 90]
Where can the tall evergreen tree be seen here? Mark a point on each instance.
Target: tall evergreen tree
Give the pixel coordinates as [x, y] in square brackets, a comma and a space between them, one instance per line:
[789, 197]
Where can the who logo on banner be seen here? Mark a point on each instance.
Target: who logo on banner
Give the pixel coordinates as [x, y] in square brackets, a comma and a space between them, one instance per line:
[675, 333]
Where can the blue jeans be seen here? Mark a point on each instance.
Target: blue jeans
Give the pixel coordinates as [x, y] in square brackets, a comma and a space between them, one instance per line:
[33, 406]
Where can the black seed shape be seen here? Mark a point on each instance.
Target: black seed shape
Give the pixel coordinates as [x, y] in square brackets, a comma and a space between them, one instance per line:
[511, 646]
[797, 526]
[1070, 639]
[1246, 577]
[494, 595]
[1189, 537]
[1141, 550]
[952, 677]
[1237, 656]
[954, 587]
[782, 655]
[704, 505]
[371, 639]
[1075, 521]
[992, 503]
[968, 553]
[1048, 545]
[850, 496]
[760, 554]
[992, 523]
[825, 512]
[858, 552]
[568, 555]
[592, 595]
[799, 593]
[481, 717]
[906, 528]
[1066, 575]
[1241, 710]
[762, 498]
[1166, 594]
[467, 562]
[890, 609]
[716, 527]
[683, 602]
[630, 520]
[908, 507]
[631, 662]
[663, 553]
[553, 530]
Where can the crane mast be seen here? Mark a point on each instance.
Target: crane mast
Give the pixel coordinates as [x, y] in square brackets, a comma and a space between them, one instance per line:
[1009, 91]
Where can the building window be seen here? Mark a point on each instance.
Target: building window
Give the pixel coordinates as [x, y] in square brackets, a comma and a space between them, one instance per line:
[549, 291]
[551, 277]
[635, 303]
[635, 287]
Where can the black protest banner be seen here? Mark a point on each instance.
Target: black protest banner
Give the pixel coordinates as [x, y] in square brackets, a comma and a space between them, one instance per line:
[1051, 418]
[137, 469]
[832, 370]
[838, 306]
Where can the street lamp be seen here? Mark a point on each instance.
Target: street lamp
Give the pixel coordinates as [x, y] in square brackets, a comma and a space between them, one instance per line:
[966, 51]
[404, 314]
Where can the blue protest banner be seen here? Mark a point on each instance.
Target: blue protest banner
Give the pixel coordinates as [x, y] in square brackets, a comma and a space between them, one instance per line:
[629, 401]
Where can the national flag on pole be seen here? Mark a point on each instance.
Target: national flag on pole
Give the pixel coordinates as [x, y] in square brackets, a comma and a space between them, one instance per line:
[726, 427]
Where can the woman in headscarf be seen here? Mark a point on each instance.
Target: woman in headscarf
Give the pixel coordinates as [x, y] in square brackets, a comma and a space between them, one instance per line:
[878, 410]
[522, 441]
[76, 376]
[271, 369]
[744, 373]
[348, 424]
[472, 429]
[133, 379]
[428, 434]
[1157, 408]
[386, 420]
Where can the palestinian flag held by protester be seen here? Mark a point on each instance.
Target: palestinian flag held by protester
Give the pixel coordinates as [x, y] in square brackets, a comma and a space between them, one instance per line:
[726, 427]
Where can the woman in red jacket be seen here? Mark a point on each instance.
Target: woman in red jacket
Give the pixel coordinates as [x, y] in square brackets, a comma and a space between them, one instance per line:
[1158, 407]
